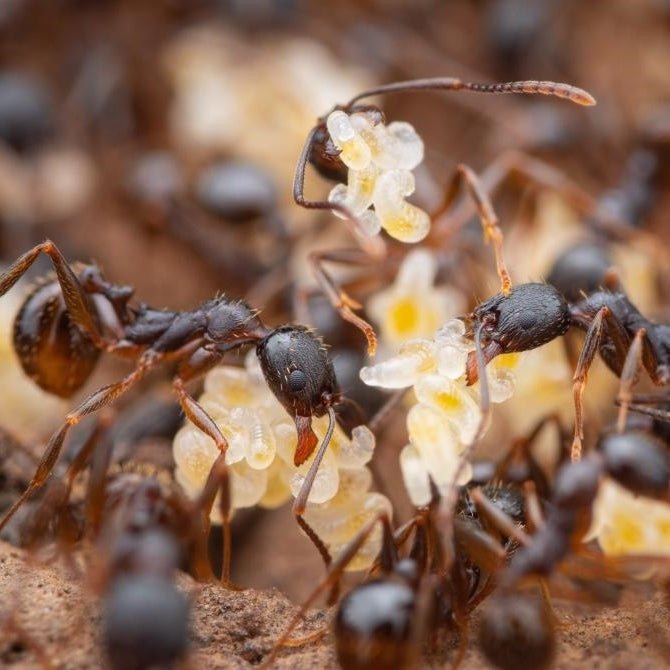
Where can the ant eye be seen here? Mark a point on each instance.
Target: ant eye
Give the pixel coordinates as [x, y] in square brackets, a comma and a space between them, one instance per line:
[297, 381]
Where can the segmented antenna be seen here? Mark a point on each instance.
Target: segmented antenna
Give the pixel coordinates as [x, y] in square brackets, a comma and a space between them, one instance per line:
[531, 87]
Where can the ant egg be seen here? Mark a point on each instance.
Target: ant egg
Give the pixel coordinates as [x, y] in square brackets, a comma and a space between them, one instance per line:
[452, 349]
[412, 307]
[261, 447]
[355, 153]
[415, 358]
[357, 195]
[431, 433]
[401, 220]
[624, 523]
[326, 482]
[453, 401]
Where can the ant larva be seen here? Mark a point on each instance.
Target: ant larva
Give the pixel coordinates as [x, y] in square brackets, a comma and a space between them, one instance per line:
[352, 141]
[67, 322]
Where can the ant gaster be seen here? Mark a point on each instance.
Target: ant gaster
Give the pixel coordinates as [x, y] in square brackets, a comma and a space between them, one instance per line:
[323, 155]
[535, 314]
[66, 322]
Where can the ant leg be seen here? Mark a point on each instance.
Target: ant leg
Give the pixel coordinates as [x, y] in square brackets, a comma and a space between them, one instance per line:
[300, 503]
[629, 376]
[589, 350]
[521, 453]
[330, 581]
[97, 400]
[75, 298]
[480, 546]
[489, 220]
[218, 481]
[338, 298]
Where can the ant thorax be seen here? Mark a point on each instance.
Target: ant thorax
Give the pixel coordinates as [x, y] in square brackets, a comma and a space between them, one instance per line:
[627, 524]
[413, 307]
[446, 416]
[380, 160]
[261, 445]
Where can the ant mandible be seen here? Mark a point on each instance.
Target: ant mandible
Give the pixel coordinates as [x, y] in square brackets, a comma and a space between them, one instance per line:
[65, 324]
[320, 150]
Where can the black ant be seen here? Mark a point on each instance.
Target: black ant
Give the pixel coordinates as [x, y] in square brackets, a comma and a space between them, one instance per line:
[66, 323]
[382, 623]
[515, 628]
[534, 314]
[320, 151]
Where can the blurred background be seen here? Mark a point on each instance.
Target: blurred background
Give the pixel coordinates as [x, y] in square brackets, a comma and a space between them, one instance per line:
[159, 138]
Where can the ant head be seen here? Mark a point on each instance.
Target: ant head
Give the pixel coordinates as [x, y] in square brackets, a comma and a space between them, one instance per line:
[324, 155]
[517, 632]
[637, 461]
[228, 321]
[145, 623]
[373, 625]
[580, 269]
[298, 370]
[530, 316]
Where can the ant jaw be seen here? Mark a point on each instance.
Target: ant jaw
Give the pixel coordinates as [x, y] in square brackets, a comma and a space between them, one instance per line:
[307, 440]
[490, 351]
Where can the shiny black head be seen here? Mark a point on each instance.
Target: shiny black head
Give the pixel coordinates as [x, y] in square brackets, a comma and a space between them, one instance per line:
[373, 626]
[530, 316]
[145, 623]
[298, 370]
[516, 632]
[581, 269]
[637, 461]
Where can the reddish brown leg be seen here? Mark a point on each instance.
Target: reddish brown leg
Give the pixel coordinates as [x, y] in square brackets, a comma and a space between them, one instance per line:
[337, 297]
[75, 298]
[586, 357]
[464, 176]
[330, 581]
[521, 452]
[514, 164]
[300, 502]
[629, 376]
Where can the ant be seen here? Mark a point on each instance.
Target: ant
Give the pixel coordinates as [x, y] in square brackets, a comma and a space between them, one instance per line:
[382, 623]
[67, 322]
[320, 151]
[515, 628]
[534, 314]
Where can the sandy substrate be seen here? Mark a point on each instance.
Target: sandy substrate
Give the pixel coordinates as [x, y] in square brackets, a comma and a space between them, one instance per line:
[48, 614]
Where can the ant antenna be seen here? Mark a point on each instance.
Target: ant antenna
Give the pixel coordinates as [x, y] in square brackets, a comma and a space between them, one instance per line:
[300, 502]
[566, 91]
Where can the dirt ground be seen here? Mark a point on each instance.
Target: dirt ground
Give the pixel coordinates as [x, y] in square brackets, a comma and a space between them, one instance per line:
[50, 620]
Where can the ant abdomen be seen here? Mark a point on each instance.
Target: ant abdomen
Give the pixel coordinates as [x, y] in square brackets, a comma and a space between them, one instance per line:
[52, 350]
[373, 626]
[516, 633]
[580, 270]
[637, 461]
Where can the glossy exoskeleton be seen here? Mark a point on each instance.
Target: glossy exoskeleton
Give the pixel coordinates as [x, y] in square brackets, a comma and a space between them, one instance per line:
[68, 321]
[320, 151]
[535, 314]
[517, 631]
[383, 623]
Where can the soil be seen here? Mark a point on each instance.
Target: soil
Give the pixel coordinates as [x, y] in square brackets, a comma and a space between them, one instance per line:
[49, 616]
